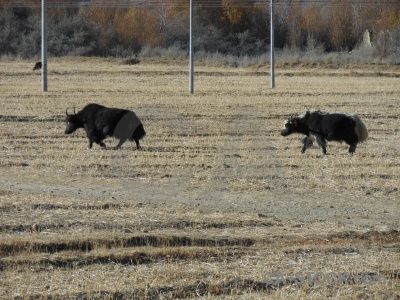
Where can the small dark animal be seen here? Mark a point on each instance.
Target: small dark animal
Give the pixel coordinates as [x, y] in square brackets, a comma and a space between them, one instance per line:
[324, 126]
[100, 122]
[37, 66]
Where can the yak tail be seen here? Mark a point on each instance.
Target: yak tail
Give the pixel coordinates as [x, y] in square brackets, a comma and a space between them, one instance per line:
[361, 129]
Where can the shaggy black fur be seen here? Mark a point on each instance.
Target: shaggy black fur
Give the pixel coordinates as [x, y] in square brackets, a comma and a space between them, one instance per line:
[100, 122]
[327, 127]
[37, 66]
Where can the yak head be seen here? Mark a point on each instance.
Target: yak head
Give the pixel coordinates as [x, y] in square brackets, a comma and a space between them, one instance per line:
[72, 122]
[294, 124]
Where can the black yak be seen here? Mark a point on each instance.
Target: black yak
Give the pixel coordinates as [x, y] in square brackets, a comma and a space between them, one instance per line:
[324, 126]
[100, 122]
[37, 66]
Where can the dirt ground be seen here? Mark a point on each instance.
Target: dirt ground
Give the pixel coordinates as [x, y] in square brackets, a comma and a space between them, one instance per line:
[213, 201]
[368, 212]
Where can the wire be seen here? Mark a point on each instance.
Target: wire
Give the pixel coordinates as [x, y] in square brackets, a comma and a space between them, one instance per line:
[200, 4]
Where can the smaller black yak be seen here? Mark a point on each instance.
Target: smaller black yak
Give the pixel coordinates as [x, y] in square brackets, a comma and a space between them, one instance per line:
[324, 126]
[100, 122]
[37, 66]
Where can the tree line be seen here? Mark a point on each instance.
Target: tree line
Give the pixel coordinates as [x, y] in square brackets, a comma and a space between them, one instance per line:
[226, 28]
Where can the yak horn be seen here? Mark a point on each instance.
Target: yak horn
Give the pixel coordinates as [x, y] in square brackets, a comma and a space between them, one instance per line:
[66, 111]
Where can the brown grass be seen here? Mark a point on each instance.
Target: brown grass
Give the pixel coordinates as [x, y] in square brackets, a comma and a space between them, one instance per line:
[214, 199]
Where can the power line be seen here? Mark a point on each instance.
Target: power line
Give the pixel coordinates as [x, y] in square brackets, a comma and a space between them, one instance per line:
[199, 4]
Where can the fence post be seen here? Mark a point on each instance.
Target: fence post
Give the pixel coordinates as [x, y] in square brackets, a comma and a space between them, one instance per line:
[44, 45]
[191, 80]
[272, 46]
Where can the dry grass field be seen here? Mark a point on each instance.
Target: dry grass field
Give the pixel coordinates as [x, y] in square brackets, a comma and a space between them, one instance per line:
[216, 204]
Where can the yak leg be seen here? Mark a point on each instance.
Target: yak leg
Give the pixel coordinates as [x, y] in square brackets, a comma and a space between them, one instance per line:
[352, 148]
[352, 142]
[89, 134]
[304, 148]
[322, 143]
[304, 140]
[94, 136]
[121, 141]
[99, 141]
[307, 143]
[137, 144]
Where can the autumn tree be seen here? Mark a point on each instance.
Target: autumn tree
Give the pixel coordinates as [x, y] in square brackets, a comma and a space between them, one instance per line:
[237, 15]
[294, 21]
[103, 17]
[172, 24]
[313, 24]
[129, 27]
[281, 13]
[340, 25]
[387, 32]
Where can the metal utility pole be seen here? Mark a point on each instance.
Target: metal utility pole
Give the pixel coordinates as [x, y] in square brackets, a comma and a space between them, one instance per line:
[44, 45]
[191, 81]
[272, 46]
